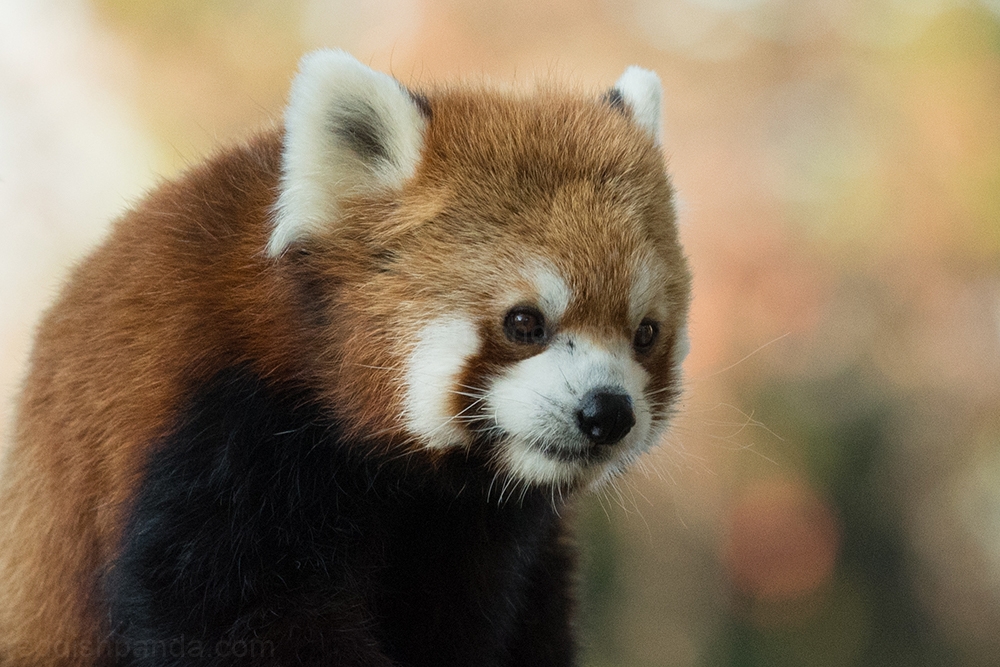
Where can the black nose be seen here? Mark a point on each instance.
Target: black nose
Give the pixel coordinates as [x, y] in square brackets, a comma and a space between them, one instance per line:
[605, 416]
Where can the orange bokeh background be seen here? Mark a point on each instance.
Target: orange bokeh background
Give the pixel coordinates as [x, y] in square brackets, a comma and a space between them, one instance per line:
[831, 493]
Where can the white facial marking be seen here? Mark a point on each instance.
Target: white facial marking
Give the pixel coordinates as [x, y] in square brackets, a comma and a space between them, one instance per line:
[432, 372]
[682, 347]
[535, 404]
[644, 291]
[554, 294]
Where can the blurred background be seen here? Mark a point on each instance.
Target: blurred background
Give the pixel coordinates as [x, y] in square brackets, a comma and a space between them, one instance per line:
[831, 494]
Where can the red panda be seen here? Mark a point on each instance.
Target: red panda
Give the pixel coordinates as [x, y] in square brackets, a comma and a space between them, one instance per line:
[320, 400]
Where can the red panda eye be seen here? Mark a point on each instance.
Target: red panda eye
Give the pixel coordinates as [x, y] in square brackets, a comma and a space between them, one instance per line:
[645, 336]
[525, 324]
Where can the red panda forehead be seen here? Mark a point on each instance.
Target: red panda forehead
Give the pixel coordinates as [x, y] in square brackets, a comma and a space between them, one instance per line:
[597, 256]
[526, 200]
[604, 252]
[519, 145]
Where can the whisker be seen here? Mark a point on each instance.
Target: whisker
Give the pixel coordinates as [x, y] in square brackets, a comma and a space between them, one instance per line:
[734, 365]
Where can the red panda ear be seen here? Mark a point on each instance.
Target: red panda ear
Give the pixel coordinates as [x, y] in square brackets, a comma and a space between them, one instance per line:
[639, 90]
[348, 130]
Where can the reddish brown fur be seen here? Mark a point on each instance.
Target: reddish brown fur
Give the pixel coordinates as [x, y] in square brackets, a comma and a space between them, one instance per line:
[172, 296]
[183, 289]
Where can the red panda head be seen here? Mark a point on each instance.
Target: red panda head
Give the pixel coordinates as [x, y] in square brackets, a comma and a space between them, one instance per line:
[492, 272]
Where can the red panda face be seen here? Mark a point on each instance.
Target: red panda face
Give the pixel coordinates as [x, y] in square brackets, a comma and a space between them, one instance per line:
[505, 270]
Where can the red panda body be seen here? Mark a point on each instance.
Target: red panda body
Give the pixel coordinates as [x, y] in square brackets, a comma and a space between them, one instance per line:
[320, 400]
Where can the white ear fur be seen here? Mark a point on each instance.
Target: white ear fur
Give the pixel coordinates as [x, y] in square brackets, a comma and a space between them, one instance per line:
[348, 130]
[642, 93]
